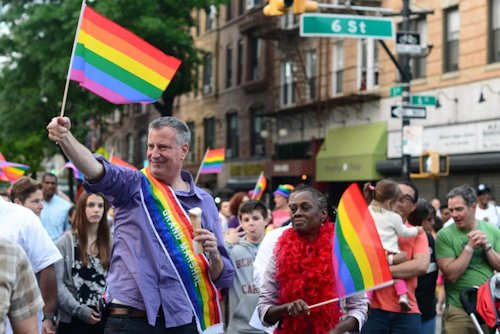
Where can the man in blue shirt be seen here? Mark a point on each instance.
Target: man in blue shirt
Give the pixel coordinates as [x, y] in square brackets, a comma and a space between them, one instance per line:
[54, 215]
[145, 284]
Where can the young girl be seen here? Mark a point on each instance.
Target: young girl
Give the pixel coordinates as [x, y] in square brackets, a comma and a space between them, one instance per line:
[381, 202]
[81, 276]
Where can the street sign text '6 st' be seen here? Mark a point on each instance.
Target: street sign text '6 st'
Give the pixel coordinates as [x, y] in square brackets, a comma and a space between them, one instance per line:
[333, 25]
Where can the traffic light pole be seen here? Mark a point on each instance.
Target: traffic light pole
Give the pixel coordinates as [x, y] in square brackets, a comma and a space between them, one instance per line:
[406, 79]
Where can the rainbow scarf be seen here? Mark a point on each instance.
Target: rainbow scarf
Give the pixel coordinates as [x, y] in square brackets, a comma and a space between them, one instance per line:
[173, 229]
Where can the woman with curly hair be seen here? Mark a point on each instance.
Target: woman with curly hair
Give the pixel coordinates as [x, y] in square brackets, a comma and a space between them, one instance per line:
[81, 275]
[300, 273]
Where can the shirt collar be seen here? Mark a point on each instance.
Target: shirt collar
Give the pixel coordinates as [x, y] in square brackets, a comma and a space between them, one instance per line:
[193, 189]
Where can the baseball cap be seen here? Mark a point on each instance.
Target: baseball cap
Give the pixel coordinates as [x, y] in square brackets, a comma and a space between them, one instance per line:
[482, 189]
[284, 190]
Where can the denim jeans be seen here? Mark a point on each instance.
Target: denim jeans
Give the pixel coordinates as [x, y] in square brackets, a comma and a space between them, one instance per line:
[385, 322]
[429, 326]
[123, 324]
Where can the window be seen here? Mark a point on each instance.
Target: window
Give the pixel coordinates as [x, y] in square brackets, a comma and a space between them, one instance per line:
[232, 135]
[338, 66]
[311, 74]
[419, 64]
[211, 15]
[368, 59]
[241, 6]
[207, 74]
[192, 127]
[451, 43]
[288, 82]
[130, 148]
[255, 55]
[143, 143]
[258, 136]
[494, 36]
[229, 10]
[229, 66]
[209, 127]
[241, 57]
[253, 3]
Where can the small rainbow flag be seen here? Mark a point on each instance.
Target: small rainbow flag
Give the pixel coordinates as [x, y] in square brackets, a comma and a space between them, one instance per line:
[76, 172]
[213, 161]
[359, 260]
[12, 171]
[115, 64]
[119, 162]
[260, 187]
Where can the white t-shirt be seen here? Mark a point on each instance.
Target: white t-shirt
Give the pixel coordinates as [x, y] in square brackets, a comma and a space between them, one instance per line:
[21, 225]
[490, 215]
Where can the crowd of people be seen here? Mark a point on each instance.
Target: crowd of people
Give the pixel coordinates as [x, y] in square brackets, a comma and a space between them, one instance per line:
[67, 268]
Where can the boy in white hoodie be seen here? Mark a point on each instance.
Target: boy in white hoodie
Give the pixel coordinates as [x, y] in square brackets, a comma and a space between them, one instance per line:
[244, 294]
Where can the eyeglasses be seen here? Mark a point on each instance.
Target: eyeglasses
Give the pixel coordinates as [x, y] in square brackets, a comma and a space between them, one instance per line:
[407, 198]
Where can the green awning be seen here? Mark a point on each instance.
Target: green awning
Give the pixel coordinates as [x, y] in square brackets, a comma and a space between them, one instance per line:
[351, 153]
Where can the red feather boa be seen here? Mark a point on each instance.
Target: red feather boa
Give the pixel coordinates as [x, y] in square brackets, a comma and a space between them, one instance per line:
[305, 271]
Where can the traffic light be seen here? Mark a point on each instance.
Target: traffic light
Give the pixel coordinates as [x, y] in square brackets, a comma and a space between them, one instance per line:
[277, 7]
[434, 164]
[301, 6]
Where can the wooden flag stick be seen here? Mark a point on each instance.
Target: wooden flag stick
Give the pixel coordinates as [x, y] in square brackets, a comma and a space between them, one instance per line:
[324, 303]
[201, 166]
[68, 75]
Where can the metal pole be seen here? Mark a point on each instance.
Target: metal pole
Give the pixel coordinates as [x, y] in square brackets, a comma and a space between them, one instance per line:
[405, 62]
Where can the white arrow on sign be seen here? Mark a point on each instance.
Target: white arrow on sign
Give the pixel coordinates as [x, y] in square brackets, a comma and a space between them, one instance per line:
[408, 112]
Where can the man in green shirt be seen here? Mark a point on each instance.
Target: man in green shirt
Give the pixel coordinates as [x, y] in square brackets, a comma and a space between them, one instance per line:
[467, 253]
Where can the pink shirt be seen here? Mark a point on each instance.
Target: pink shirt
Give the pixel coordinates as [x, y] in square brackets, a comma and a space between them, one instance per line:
[280, 217]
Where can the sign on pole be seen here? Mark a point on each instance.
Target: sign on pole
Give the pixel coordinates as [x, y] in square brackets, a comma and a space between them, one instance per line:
[408, 112]
[396, 91]
[354, 26]
[408, 43]
[423, 100]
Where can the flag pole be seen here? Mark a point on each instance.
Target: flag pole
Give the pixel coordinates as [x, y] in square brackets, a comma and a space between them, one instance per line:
[201, 166]
[324, 303]
[68, 75]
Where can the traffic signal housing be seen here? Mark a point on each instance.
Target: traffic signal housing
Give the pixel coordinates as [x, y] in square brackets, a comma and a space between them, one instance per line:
[302, 6]
[432, 164]
[280, 7]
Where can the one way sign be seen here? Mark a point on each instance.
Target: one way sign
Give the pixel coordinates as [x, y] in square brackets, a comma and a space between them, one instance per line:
[408, 112]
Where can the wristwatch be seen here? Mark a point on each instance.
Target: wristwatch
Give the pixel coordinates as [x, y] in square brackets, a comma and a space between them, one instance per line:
[487, 247]
[51, 317]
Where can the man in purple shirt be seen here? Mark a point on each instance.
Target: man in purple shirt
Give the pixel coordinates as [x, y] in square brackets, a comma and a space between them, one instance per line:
[143, 283]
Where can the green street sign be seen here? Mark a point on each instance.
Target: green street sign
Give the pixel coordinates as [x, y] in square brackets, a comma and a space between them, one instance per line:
[423, 100]
[354, 26]
[396, 91]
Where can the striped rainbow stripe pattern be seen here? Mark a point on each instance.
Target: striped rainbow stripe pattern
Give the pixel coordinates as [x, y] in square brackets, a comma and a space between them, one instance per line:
[76, 172]
[359, 260]
[175, 232]
[118, 66]
[12, 171]
[260, 187]
[214, 159]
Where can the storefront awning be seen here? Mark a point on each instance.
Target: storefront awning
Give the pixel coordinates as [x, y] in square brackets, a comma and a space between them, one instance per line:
[351, 153]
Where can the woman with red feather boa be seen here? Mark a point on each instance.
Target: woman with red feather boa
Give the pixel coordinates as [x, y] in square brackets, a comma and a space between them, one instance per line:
[300, 273]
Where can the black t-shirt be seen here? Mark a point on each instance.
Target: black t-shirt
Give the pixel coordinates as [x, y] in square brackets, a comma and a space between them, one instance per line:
[426, 288]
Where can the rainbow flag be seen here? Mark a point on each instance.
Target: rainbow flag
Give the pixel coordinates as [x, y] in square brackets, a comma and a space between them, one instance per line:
[76, 172]
[213, 161]
[260, 187]
[359, 260]
[12, 171]
[119, 162]
[175, 233]
[115, 64]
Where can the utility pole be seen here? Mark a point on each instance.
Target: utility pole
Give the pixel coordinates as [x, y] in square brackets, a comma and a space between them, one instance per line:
[406, 79]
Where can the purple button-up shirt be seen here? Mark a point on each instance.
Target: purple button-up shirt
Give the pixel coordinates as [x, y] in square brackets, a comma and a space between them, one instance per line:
[140, 275]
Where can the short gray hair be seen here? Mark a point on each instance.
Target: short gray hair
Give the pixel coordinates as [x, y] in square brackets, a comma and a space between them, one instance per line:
[318, 197]
[183, 133]
[466, 192]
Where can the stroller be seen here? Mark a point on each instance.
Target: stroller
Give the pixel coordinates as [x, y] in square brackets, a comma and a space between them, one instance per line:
[483, 304]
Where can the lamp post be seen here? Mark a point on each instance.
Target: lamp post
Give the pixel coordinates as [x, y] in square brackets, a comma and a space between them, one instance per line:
[406, 79]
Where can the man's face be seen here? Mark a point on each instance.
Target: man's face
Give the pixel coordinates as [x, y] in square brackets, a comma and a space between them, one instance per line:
[280, 201]
[463, 215]
[483, 198]
[34, 202]
[224, 209]
[406, 203]
[49, 186]
[165, 155]
[445, 214]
